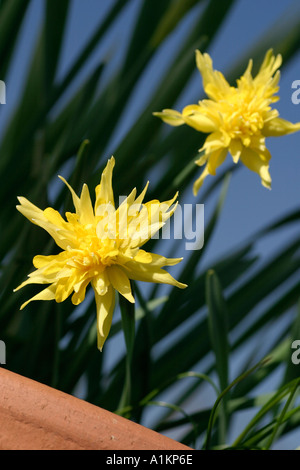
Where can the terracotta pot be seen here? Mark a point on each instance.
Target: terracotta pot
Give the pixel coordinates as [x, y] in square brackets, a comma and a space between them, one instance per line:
[34, 416]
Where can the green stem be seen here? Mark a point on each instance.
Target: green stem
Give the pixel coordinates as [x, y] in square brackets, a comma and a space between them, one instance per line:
[220, 398]
[128, 324]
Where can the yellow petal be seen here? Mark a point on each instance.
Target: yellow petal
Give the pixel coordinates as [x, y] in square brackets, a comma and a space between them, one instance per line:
[37, 277]
[64, 288]
[124, 207]
[193, 117]
[83, 205]
[216, 159]
[40, 261]
[235, 149]
[277, 127]
[270, 64]
[214, 82]
[146, 273]
[214, 141]
[31, 280]
[46, 294]
[199, 182]
[61, 237]
[140, 198]
[29, 210]
[86, 208]
[104, 191]
[55, 218]
[170, 116]
[105, 305]
[265, 83]
[143, 257]
[76, 200]
[79, 294]
[201, 160]
[257, 163]
[155, 260]
[247, 74]
[120, 282]
[101, 283]
[148, 221]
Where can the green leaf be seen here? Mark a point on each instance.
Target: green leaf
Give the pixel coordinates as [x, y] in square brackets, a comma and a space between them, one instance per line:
[11, 17]
[55, 25]
[218, 325]
[287, 389]
[218, 331]
[223, 394]
[292, 370]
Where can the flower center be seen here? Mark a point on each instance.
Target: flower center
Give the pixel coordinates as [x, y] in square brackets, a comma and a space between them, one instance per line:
[243, 118]
[93, 254]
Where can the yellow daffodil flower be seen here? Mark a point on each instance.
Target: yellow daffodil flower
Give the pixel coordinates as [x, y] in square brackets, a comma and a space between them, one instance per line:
[237, 119]
[101, 246]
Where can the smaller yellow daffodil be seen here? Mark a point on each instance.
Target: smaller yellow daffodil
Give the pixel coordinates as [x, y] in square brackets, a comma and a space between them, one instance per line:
[237, 119]
[101, 246]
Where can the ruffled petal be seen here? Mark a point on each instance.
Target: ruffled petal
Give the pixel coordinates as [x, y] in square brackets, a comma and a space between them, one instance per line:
[62, 237]
[86, 208]
[46, 294]
[235, 149]
[199, 182]
[215, 160]
[143, 256]
[64, 288]
[79, 292]
[258, 163]
[155, 260]
[171, 117]
[193, 117]
[214, 141]
[101, 283]
[278, 127]
[83, 205]
[120, 282]
[104, 191]
[214, 82]
[147, 273]
[105, 305]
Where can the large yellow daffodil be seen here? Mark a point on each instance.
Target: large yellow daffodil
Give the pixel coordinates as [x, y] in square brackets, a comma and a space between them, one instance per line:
[101, 246]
